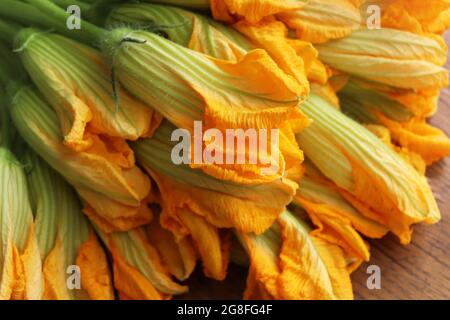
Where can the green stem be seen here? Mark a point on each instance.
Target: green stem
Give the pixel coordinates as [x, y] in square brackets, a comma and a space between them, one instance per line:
[12, 79]
[10, 68]
[6, 134]
[95, 11]
[8, 31]
[84, 7]
[22, 13]
[88, 31]
[190, 4]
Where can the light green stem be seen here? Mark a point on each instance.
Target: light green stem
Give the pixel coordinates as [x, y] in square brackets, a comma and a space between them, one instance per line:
[57, 18]
[84, 7]
[8, 31]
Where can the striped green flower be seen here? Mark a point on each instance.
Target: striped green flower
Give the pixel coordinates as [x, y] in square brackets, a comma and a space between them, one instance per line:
[367, 169]
[64, 236]
[76, 82]
[393, 57]
[114, 196]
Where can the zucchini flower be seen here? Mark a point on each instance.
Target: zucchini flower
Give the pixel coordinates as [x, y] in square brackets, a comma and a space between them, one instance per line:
[189, 29]
[76, 82]
[413, 133]
[414, 15]
[287, 262]
[319, 21]
[112, 187]
[20, 262]
[315, 21]
[336, 220]
[204, 35]
[227, 95]
[188, 195]
[65, 237]
[139, 271]
[367, 171]
[397, 58]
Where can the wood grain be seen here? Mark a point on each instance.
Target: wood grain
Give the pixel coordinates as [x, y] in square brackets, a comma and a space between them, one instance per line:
[417, 271]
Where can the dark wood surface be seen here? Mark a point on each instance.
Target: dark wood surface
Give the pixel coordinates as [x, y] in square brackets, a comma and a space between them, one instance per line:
[420, 270]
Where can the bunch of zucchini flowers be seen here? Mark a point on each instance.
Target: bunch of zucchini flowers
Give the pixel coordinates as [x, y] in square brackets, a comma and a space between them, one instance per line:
[92, 205]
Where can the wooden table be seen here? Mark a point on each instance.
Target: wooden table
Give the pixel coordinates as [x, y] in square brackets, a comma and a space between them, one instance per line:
[420, 270]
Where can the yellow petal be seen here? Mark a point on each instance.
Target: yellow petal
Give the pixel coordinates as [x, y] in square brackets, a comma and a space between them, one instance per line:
[213, 248]
[139, 272]
[333, 227]
[271, 35]
[321, 20]
[250, 208]
[287, 263]
[178, 255]
[431, 143]
[95, 276]
[222, 210]
[251, 10]
[415, 15]
[55, 275]
[327, 93]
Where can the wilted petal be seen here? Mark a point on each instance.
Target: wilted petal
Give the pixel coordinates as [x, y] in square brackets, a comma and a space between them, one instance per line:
[321, 20]
[414, 15]
[250, 208]
[139, 272]
[178, 255]
[288, 263]
[250, 10]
